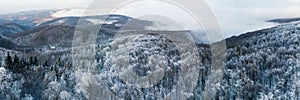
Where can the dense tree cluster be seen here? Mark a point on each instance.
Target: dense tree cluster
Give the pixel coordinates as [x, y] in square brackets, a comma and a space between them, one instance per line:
[19, 65]
[267, 67]
[26, 78]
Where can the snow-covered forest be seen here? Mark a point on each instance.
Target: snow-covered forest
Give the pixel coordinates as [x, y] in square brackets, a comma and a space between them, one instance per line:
[40, 60]
[264, 66]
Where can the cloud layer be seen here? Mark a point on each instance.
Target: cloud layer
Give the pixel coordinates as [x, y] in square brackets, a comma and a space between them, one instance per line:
[238, 16]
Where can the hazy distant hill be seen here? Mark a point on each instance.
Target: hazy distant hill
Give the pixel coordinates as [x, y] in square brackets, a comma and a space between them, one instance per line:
[284, 20]
[28, 18]
[6, 43]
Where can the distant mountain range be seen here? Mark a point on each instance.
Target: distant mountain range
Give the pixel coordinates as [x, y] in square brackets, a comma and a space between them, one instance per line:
[284, 20]
[42, 28]
[28, 18]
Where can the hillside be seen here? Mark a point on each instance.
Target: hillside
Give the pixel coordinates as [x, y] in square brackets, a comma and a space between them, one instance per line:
[58, 35]
[106, 22]
[6, 43]
[263, 65]
[11, 28]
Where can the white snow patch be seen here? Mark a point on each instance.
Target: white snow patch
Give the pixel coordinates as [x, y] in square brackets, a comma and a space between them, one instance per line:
[100, 21]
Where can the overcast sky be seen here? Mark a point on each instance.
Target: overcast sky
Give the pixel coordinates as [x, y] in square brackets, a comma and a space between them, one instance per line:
[234, 16]
[10, 6]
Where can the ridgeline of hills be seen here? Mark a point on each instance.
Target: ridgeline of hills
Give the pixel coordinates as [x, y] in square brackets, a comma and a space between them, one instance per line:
[41, 28]
[45, 30]
[284, 20]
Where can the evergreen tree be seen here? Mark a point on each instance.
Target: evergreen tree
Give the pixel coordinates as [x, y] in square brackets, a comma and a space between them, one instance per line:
[16, 64]
[16, 60]
[22, 64]
[57, 68]
[35, 61]
[8, 61]
[46, 65]
[31, 61]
